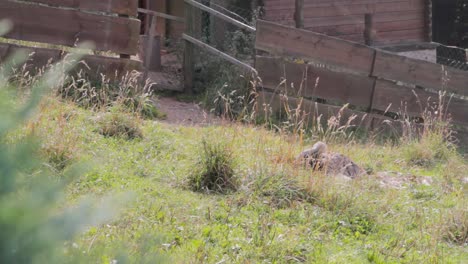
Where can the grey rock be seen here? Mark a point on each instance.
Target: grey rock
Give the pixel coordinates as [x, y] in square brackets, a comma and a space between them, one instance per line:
[320, 159]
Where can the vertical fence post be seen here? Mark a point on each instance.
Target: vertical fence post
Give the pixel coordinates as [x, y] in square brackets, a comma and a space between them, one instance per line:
[369, 31]
[189, 61]
[428, 20]
[124, 56]
[299, 13]
[147, 18]
[149, 46]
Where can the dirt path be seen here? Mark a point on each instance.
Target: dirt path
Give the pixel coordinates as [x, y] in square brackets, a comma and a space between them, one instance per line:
[185, 113]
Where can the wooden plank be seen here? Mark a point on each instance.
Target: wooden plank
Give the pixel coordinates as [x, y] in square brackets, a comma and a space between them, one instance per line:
[149, 47]
[401, 20]
[413, 102]
[354, 32]
[93, 66]
[176, 8]
[38, 57]
[67, 27]
[287, 41]
[353, 19]
[289, 4]
[333, 10]
[361, 9]
[112, 68]
[430, 75]
[163, 15]
[400, 36]
[455, 80]
[312, 81]
[121, 7]
[189, 61]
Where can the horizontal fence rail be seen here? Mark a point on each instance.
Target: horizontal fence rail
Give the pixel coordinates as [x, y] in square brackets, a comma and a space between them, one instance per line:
[32, 22]
[159, 14]
[192, 37]
[221, 54]
[286, 41]
[49, 29]
[372, 81]
[394, 20]
[121, 7]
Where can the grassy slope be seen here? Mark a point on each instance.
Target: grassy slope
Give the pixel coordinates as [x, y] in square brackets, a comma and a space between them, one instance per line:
[344, 222]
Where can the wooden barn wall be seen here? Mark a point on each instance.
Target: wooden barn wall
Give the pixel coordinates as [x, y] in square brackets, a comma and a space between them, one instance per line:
[176, 8]
[396, 21]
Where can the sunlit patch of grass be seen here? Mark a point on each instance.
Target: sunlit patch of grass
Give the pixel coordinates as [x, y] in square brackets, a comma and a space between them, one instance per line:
[215, 169]
[431, 149]
[279, 212]
[119, 124]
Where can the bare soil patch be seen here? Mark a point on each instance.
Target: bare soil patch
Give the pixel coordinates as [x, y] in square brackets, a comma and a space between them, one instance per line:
[185, 113]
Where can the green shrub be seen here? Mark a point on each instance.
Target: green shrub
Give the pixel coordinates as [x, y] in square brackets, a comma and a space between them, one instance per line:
[429, 150]
[117, 123]
[215, 170]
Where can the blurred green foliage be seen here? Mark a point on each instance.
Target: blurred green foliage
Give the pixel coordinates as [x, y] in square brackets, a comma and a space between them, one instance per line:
[33, 226]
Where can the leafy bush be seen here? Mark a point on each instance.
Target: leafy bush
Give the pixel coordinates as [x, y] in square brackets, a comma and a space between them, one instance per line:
[215, 170]
[117, 123]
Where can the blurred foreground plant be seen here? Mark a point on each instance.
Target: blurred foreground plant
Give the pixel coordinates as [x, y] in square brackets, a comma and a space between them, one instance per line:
[33, 226]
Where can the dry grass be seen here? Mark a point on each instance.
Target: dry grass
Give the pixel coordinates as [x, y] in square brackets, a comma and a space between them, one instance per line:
[119, 124]
[273, 210]
[214, 171]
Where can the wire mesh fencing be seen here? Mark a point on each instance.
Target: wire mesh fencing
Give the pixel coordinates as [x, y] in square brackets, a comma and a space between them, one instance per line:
[225, 84]
[224, 36]
[451, 56]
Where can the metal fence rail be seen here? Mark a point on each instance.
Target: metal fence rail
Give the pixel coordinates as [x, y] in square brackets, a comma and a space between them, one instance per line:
[204, 31]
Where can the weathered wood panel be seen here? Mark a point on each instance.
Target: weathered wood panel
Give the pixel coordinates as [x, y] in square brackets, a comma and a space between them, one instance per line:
[93, 66]
[310, 81]
[177, 8]
[67, 27]
[358, 28]
[121, 7]
[429, 75]
[38, 57]
[287, 41]
[413, 102]
[348, 13]
[411, 91]
[455, 80]
[112, 68]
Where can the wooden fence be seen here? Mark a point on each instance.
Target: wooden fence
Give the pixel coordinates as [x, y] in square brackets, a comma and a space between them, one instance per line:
[109, 24]
[396, 21]
[373, 82]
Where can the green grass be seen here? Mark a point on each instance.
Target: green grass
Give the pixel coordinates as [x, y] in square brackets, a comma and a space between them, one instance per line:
[279, 213]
